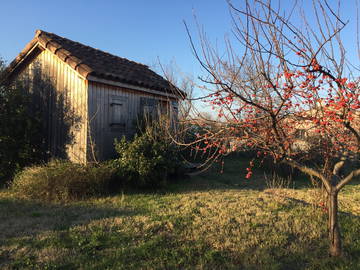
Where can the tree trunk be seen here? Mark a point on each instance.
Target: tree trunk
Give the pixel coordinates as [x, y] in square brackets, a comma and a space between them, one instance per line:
[334, 231]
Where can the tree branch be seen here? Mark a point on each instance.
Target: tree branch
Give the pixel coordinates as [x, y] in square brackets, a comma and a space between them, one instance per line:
[310, 171]
[347, 179]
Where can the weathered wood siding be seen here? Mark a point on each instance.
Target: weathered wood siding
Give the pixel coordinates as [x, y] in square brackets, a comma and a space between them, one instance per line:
[101, 101]
[90, 114]
[67, 102]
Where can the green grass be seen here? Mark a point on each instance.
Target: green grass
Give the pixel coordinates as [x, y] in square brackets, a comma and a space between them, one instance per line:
[210, 221]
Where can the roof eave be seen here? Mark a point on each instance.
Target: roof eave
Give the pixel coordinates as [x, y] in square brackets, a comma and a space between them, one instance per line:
[20, 58]
[43, 42]
[118, 83]
[115, 80]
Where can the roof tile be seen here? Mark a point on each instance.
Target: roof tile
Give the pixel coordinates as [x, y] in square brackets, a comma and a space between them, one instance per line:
[102, 64]
[96, 63]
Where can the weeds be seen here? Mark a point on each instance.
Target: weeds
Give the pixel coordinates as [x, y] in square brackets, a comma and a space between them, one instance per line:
[62, 181]
[275, 181]
[215, 226]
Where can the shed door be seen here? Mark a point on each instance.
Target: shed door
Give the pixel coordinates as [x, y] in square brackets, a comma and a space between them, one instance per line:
[119, 114]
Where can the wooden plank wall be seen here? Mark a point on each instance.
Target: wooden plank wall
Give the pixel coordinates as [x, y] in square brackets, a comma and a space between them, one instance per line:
[68, 106]
[89, 103]
[101, 134]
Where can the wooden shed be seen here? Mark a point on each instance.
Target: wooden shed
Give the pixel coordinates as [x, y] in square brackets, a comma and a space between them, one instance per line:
[105, 94]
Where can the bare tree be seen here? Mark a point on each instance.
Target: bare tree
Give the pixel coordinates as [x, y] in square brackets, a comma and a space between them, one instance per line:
[286, 89]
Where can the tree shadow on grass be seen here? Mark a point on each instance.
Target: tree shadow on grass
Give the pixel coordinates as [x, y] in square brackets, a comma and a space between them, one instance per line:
[231, 176]
[167, 250]
[313, 255]
[157, 249]
[289, 250]
[294, 252]
[21, 218]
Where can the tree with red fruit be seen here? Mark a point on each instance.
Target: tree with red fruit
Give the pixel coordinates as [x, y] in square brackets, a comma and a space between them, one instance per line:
[280, 80]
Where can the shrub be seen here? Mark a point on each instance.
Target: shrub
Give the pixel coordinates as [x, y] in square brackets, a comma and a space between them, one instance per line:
[62, 181]
[21, 142]
[26, 131]
[146, 161]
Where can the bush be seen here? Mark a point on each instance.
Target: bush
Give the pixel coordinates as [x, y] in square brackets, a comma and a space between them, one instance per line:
[146, 161]
[62, 181]
[22, 134]
[21, 142]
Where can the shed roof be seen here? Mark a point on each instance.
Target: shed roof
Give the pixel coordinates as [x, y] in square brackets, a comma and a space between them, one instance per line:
[96, 63]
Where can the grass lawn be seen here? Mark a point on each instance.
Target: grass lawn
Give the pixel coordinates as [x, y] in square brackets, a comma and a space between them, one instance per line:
[210, 221]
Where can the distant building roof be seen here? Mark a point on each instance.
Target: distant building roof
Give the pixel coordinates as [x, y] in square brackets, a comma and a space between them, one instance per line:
[96, 63]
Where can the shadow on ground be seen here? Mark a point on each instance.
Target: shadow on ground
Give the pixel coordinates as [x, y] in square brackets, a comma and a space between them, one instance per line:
[20, 218]
[232, 176]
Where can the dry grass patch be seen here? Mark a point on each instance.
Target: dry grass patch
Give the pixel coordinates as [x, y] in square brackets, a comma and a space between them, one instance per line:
[225, 224]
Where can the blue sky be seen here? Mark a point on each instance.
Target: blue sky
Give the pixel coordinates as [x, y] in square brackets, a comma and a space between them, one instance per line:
[140, 30]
